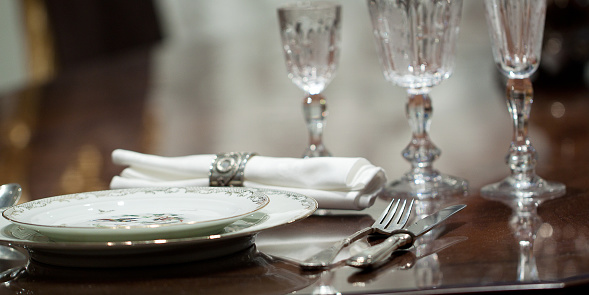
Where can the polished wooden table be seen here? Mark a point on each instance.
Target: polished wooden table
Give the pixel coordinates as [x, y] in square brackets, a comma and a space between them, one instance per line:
[56, 138]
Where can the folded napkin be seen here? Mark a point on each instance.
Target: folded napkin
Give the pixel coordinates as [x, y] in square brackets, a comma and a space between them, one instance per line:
[335, 182]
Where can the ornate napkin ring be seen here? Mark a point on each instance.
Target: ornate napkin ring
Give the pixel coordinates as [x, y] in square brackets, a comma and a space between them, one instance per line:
[227, 169]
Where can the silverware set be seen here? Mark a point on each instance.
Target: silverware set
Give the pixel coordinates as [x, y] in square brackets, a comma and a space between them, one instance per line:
[378, 254]
[392, 223]
[392, 219]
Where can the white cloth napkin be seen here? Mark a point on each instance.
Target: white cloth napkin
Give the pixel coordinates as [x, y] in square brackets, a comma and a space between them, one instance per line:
[335, 182]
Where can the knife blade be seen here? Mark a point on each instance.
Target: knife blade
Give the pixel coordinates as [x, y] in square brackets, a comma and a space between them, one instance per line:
[401, 240]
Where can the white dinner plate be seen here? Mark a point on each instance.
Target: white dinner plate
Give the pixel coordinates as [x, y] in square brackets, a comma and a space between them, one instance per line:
[137, 214]
[284, 208]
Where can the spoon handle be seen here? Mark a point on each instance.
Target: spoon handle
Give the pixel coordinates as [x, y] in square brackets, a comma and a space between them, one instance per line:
[324, 258]
[375, 254]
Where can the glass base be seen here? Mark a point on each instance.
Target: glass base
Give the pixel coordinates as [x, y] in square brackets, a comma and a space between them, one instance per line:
[427, 187]
[512, 188]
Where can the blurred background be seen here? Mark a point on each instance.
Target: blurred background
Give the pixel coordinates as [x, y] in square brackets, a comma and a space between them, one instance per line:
[41, 36]
[176, 77]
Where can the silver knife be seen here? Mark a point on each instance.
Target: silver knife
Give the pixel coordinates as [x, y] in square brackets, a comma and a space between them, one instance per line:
[402, 240]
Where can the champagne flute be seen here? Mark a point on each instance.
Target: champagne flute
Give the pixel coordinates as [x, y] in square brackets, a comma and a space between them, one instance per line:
[416, 42]
[310, 34]
[516, 28]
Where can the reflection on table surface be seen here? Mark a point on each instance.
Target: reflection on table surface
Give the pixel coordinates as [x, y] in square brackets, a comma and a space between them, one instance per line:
[213, 96]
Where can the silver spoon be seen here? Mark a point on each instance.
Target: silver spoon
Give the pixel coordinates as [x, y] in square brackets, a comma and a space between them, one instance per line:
[9, 195]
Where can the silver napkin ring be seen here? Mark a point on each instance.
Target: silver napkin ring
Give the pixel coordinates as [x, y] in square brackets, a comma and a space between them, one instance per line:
[227, 169]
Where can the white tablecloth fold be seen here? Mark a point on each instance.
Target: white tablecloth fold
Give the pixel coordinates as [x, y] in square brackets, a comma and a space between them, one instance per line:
[335, 182]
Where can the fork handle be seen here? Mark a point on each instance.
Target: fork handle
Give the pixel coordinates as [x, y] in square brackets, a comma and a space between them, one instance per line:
[324, 258]
[375, 255]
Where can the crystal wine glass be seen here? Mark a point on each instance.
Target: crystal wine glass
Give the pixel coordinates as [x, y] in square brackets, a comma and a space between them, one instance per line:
[516, 28]
[416, 41]
[310, 33]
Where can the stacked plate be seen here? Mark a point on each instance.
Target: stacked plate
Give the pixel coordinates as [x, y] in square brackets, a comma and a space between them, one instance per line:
[146, 226]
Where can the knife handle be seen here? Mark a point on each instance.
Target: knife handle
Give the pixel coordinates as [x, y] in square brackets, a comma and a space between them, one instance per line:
[375, 255]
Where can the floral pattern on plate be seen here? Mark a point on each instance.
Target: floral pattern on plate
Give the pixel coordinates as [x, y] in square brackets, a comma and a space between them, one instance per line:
[136, 219]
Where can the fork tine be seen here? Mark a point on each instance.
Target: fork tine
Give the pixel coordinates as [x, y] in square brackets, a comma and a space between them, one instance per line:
[391, 208]
[406, 215]
[401, 216]
[388, 213]
[396, 212]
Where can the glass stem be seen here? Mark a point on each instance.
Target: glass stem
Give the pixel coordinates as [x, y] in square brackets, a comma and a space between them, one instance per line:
[522, 155]
[315, 112]
[420, 152]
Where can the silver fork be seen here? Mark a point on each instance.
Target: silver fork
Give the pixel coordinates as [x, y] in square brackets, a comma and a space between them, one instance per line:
[393, 218]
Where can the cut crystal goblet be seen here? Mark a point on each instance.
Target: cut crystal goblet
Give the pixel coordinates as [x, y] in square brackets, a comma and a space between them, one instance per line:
[310, 33]
[416, 42]
[516, 28]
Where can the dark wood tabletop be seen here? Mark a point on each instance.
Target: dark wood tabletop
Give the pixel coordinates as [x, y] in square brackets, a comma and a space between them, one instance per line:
[56, 138]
